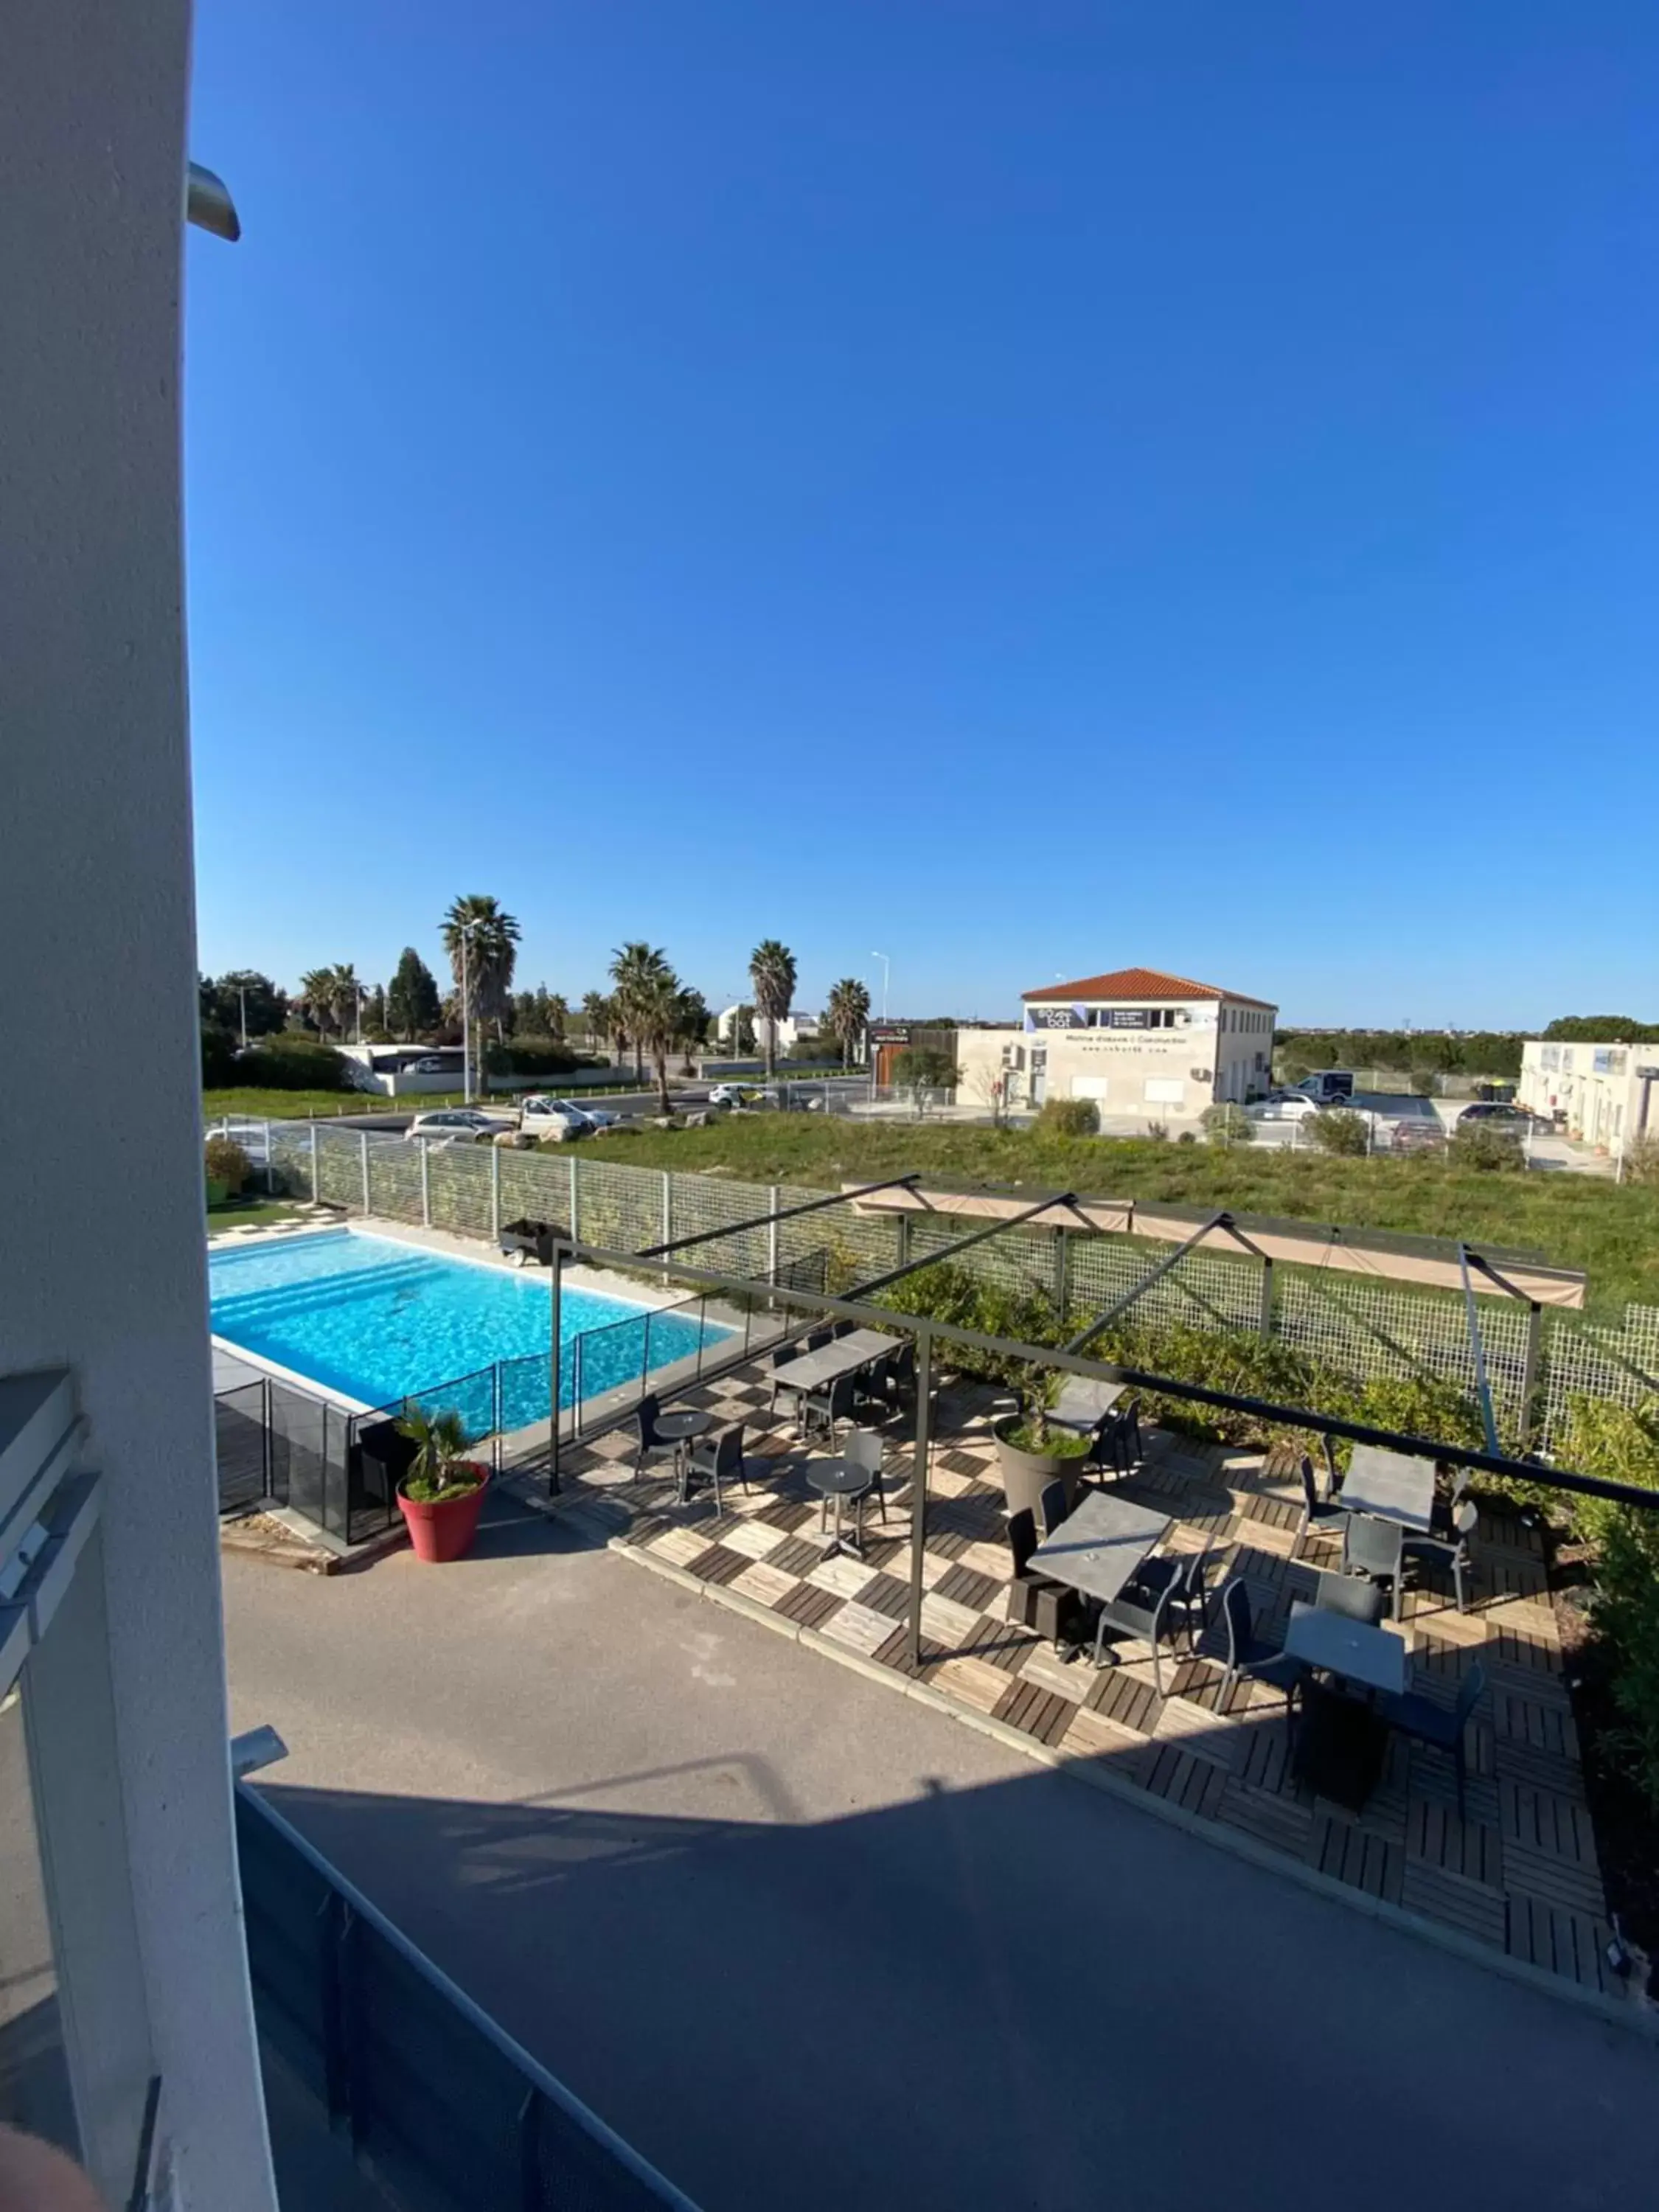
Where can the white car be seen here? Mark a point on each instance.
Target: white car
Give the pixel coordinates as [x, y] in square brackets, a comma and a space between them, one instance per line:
[1284, 1106]
[562, 1117]
[455, 1125]
[733, 1094]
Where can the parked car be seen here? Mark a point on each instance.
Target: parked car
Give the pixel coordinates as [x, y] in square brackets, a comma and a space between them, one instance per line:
[456, 1125]
[433, 1065]
[733, 1094]
[1422, 1132]
[558, 1118]
[1284, 1106]
[1492, 1114]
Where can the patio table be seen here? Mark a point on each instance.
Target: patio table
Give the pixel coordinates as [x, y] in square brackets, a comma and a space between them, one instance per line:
[679, 1428]
[840, 1479]
[1099, 1548]
[1390, 1486]
[1353, 1648]
[1085, 1404]
[816, 1371]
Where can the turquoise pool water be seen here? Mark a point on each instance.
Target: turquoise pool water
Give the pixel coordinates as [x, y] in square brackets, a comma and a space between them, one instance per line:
[382, 1321]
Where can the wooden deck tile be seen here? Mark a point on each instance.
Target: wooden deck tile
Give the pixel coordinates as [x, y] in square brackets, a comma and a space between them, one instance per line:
[810, 1607]
[1043, 1664]
[1349, 1854]
[1200, 1733]
[1194, 1784]
[1036, 1711]
[977, 1592]
[858, 1627]
[1436, 1836]
[975, 1683]
[1270, 1818]
[766, 1583]
[1122, 1699]
[1439, 1895]
[1092, 1736]
[754, 1539]
[841, 1575]
[1563, 1942]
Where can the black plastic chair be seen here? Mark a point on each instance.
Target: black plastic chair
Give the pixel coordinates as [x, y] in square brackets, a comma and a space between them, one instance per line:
[1033, 1601]
[900, 1367]
[651, 1443]
[1316, 1510]
[872, 1383]
[1250, 1657]
[864, 1449]
[1414, 1715]
[780, 1356]
[719, 1458]
[1348, 1595]
[1053, 1504]
[1442, 1519]
[831, 1406]
[1192, 1591]
[818, 1337]
[1375, 1547]
[1452, 1550]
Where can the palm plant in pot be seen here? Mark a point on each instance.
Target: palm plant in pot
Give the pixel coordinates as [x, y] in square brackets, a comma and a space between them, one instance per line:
[1033, 1452]
[441, 1494]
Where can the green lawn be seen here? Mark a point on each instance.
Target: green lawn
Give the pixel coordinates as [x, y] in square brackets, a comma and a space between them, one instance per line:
[1572, 1220]
[296, 1105]
[245, 1213]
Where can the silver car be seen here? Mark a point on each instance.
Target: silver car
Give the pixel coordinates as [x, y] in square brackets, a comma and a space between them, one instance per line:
[455, 1125]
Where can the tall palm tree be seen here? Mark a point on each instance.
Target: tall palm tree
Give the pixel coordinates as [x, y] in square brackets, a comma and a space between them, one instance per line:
[657, 1020]
[691, 1025]
[346, 991]
[637, 970]
[489, 936]
[558, 1016]
[848, 1011]
[772, 972]
[317, 999]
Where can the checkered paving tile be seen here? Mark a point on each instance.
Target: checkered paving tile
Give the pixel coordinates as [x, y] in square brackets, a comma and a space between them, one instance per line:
[1517, 1868]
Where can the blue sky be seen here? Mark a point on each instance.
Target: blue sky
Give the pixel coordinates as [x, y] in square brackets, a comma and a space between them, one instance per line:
[1029, 488]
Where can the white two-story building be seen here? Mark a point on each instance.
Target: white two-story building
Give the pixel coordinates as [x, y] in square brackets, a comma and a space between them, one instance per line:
[1141, 1045]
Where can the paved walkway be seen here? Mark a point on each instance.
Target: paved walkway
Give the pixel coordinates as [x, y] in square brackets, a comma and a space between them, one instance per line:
[808, 1944]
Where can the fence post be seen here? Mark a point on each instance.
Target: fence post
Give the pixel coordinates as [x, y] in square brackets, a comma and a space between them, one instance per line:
[555, 1354]
[575, 1199]
[1267, 1323]
[1530, 1373]
[667, 1207]
[425, 1186]
[773, 1196]
[362, 1139]
[918, 1483]
[1062, 1272]
[494, 1194]
[316, 1190]
[271, 1161]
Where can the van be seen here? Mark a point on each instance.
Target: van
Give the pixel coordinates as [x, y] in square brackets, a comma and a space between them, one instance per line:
[1329, 1086]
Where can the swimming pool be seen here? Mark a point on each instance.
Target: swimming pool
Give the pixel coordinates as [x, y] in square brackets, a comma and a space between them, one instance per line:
[380, 1321]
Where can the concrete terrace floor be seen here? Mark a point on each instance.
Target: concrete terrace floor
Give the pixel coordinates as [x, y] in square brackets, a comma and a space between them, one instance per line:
[808, 1943]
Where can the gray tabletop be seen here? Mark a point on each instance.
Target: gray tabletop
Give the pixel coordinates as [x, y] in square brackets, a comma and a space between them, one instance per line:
[814, 1370]
[1353, 1648]
[830, 1475]
[1097, 1548]
[1390, 1486]
[1082, 1404]
[687, 1421]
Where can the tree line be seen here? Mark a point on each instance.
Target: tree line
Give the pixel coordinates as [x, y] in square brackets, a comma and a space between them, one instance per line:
[646, 1010]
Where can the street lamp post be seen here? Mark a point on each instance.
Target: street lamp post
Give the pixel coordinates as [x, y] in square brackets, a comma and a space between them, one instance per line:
[886, 978]
[241, 993]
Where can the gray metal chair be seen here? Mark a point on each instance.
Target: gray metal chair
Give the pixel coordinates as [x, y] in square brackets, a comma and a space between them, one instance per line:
[1315, 1510]
[864, 1449]
[1414, 1715]
[651, 1444]
[1354, 1599]
[1142, 1610]
[831, 1406]
[1053, 1504]
[1452, 1551]
[1375, 1548]
[718, 1455]
[1442, 1522]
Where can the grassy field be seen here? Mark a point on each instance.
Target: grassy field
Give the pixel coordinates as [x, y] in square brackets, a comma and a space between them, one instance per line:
[297, 1105]
[1572, 1220]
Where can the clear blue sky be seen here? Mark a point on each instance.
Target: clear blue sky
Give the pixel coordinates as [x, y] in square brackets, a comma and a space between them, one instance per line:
[1027, 487]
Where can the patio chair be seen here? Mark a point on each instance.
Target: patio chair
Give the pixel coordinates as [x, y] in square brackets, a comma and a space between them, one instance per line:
[1345, 1594]
[1035, 1602]
[645, 1416]
[1193, 1592]
[900, 1367]
[1053, 1504]
[872, 1382]
[780, 1356]
[1375, 1548]
[864, 1448]
[1315, 1511]
[817, 1339]
[720, 1457]
[839, 1329]
[1251, 1658]
[1443, 1521]
[1142, 1609]
[1452, 1549]
[1414, 1715]
[831, 1406]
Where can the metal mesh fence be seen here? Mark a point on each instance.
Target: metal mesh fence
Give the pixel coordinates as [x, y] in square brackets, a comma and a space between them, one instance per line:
[1366, 1328]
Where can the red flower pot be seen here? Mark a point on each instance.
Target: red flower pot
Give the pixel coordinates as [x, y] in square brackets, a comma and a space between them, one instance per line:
[445, 1531]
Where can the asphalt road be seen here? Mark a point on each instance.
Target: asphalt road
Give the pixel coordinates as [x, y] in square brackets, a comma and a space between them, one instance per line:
[807, 1944]
[682, 1095]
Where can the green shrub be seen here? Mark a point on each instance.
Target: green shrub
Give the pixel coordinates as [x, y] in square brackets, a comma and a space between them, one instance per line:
[218, 1057]
[1070, 1117]
[292, 1063]
[1228, 1125]
[1622, 1445]
[1478, 1145]
[227, 1162]
[1642, 1163]
[1340, 1130]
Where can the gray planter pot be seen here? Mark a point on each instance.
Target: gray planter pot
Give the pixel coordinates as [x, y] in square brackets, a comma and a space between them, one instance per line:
[1026, 1475]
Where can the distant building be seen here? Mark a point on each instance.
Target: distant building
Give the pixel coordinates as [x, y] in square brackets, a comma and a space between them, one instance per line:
[1603, 1094]
[792, 1030]
[1142, 1045]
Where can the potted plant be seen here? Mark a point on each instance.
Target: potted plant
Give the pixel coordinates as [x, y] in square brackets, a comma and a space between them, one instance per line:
[441, 1494]
[1033, 1452]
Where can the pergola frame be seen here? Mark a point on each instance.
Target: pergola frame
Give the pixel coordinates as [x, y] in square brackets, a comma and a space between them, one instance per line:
[1068, 1358]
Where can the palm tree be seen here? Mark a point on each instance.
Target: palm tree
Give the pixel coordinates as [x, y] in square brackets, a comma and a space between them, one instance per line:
[848, 1011]
[691, 1025]
[637, 970]
[317, 999]
[346, 991]
[657, 1019]
[558, 1015]
[772, 972]
[482, 937]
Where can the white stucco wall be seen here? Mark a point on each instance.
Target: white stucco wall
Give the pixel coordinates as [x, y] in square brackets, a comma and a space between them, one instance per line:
[103, 1266]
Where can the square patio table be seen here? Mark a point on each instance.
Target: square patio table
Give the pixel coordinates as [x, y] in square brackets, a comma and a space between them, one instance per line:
[1390, 1486]
[1353, 1648]
[1098, 1548]
[1083, 1403]
[815, 1370]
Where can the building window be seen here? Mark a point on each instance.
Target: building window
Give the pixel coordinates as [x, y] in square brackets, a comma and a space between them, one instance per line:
[1163, 1090]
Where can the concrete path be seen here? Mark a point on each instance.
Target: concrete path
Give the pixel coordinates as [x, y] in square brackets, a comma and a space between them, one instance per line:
[807, 1944]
